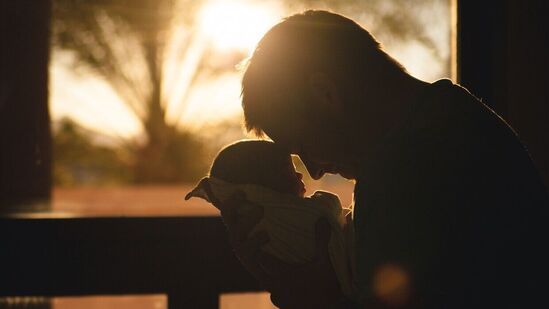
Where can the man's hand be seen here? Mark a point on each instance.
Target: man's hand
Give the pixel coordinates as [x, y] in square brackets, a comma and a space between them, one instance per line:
[313, 285]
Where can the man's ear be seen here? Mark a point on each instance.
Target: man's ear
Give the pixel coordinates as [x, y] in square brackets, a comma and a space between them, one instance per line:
[324, 90]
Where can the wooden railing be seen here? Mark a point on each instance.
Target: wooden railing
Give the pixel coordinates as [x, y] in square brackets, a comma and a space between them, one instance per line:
[186, 258]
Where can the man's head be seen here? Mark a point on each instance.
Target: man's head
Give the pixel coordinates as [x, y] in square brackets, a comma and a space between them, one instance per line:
[306, 81]
[258, 162]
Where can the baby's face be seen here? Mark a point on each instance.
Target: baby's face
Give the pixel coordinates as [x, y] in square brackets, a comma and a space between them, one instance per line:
[291, 180]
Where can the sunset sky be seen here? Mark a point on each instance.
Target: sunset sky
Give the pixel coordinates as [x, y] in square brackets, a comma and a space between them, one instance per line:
[224, 27]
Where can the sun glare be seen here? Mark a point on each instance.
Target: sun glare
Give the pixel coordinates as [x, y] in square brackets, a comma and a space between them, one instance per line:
[237, 24]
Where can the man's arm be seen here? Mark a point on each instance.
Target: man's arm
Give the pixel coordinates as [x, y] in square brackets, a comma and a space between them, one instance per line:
[313, 285]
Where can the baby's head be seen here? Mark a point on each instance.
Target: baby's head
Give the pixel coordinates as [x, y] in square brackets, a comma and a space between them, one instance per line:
[261, 163]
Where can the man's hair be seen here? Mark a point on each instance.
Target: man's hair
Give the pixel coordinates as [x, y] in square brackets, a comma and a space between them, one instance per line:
[250, 162]
[300, 45]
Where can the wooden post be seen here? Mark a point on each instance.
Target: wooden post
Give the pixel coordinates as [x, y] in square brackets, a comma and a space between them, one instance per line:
[25, 146]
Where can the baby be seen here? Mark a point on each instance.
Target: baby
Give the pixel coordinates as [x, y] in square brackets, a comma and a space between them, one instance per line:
[267, 176]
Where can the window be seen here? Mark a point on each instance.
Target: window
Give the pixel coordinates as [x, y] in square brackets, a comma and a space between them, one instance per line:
[143, 97]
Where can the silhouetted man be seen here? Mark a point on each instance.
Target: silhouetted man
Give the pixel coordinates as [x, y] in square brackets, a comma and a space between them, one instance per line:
[448, 205]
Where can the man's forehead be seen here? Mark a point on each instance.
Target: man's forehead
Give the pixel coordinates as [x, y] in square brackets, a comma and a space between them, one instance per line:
[283, 137]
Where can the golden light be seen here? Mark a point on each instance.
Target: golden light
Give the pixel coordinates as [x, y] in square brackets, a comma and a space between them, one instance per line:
[237, 24]
[392, 284]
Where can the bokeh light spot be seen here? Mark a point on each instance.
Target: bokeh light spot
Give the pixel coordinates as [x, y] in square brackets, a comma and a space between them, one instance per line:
[392, 284]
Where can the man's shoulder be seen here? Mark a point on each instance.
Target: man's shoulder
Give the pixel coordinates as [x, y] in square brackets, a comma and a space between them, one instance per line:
[450, 139]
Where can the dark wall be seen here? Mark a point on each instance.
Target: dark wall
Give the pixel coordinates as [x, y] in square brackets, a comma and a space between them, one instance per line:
[24, 117]
[503, 58]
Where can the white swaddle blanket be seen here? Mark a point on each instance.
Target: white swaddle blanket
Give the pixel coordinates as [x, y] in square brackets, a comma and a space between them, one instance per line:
[290, 222]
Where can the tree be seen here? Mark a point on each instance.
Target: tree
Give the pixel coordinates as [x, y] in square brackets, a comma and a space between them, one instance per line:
[126, 43]
[79, 160]
[136, 45]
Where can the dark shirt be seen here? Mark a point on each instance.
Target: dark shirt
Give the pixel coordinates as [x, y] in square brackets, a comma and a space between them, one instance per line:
[450, 210]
